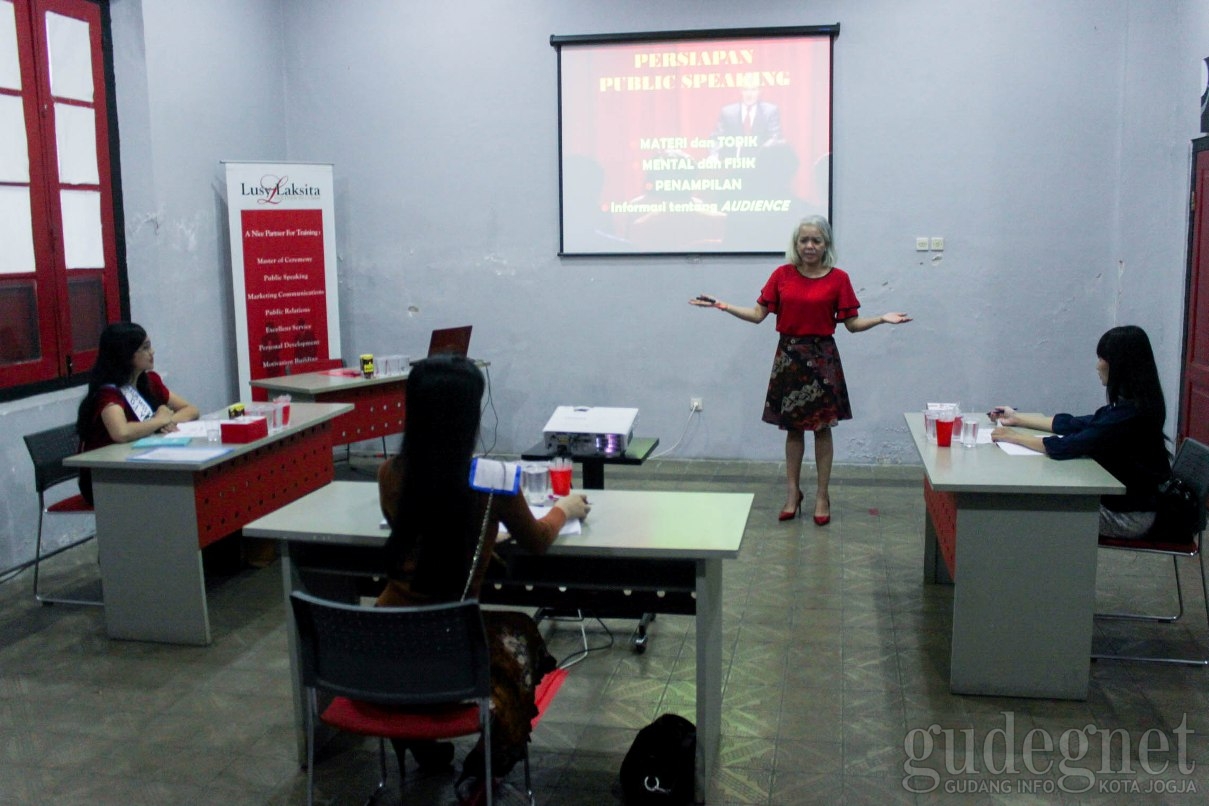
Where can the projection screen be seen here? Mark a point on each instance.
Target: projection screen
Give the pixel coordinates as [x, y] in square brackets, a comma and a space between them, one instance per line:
[693, 142]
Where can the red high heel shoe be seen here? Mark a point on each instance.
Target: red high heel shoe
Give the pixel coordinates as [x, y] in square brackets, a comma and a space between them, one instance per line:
[793, 513]
[823, 520]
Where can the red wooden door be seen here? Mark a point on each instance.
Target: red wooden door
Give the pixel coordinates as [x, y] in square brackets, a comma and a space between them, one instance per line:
[1194, 391]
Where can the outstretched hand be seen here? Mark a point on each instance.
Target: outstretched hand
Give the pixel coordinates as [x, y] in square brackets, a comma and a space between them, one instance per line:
[895, 318]
[703, 301]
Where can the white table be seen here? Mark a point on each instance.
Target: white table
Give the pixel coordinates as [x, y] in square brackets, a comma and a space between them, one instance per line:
[379, 403]
[154, 518]
[1018, 536]
[336, 531]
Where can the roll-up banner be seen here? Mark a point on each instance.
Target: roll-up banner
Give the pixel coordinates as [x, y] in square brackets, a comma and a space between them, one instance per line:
[283, 266]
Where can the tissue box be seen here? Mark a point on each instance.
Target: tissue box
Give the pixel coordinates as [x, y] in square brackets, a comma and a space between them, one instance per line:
[244, 429]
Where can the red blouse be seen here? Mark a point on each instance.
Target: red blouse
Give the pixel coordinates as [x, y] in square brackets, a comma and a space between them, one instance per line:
[96, 435]
[809, 306]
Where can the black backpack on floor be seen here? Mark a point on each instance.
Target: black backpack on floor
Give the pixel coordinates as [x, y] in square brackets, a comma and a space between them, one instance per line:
[658, 768]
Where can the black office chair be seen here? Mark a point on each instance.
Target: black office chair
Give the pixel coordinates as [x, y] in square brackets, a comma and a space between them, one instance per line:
[381, 661]
[47, 449]
[1192, 467]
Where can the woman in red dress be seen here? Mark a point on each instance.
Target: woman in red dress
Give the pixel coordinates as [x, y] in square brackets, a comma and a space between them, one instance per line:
[806, 391]
[126, 398]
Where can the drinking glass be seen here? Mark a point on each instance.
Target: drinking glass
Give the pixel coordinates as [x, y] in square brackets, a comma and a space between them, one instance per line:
[930, 416]
[535, 481]
[969, 433]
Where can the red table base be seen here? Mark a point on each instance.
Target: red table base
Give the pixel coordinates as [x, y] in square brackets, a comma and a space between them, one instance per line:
[234, 493]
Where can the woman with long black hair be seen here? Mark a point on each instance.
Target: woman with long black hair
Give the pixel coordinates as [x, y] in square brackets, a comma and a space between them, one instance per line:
[126, 398]
[443, 533]
[1125, 436]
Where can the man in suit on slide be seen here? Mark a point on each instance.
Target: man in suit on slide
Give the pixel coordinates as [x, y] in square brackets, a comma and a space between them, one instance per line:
[749, 117]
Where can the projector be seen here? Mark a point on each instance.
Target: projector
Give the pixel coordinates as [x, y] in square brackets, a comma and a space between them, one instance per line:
[590, 430]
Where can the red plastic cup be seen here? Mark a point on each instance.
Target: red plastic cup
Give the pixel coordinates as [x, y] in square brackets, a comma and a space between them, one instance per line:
[560, 480]
[283, 409]
[944, 433]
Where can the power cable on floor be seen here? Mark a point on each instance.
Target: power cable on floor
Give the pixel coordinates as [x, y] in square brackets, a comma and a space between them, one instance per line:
[579, 655]
[680, 439]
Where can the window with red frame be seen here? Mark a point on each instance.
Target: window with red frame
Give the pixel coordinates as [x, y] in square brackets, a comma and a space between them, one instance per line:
[59, 270]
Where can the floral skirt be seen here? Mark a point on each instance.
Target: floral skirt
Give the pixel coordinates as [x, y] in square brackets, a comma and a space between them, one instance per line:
[806, 389]
[519, 660]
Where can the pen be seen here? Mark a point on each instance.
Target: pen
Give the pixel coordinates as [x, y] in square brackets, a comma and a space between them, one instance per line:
[993, 415]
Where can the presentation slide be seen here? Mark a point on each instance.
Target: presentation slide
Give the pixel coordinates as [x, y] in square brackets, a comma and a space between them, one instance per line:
[693, 146]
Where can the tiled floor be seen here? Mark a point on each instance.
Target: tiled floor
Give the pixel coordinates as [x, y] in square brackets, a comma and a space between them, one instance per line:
[836, 660]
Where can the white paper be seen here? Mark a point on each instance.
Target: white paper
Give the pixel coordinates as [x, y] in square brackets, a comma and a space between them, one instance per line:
[573, 526]
[1013, 449]
[190, 454]
[193, 428]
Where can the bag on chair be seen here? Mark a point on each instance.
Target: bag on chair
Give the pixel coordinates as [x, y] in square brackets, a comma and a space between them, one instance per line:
[1178, 514]
[658, 768]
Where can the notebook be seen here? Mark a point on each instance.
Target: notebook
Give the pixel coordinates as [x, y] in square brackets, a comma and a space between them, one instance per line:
[450, 340]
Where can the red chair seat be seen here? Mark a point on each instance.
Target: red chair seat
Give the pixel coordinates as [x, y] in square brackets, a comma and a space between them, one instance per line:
[1142, 544]
[75, 503]
[546, 689]
[369, 719]
[1191, 467]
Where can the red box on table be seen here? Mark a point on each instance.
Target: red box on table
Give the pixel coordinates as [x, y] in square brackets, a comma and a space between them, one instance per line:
[244, 429]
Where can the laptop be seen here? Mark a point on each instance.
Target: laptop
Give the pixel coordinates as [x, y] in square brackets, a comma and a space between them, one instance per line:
[450, 341]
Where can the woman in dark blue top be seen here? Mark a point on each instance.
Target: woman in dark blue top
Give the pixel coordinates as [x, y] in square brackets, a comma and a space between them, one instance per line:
[1125, 437]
